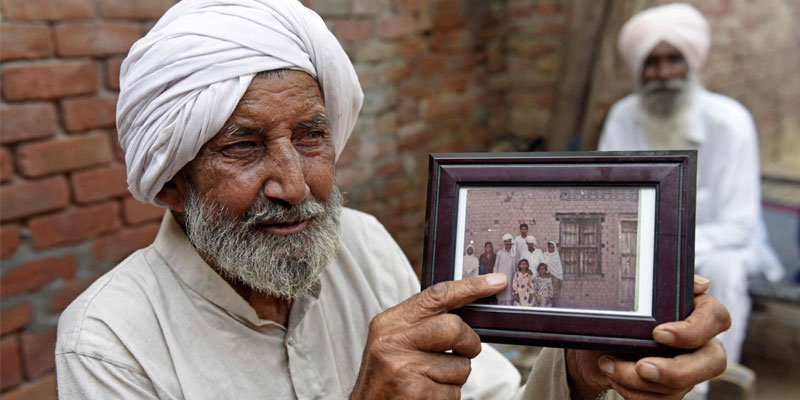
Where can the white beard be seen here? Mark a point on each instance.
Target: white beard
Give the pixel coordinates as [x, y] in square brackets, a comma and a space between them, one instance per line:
[287, 266]
[667, 108]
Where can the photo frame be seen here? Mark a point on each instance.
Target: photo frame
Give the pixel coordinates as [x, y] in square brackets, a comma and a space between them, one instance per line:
[616, 227]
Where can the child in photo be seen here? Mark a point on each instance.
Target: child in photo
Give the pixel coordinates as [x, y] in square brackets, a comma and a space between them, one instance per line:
[521, 287]
[542, 288]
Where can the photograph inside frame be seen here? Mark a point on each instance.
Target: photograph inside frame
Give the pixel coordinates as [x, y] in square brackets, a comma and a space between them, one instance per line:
[563, 248]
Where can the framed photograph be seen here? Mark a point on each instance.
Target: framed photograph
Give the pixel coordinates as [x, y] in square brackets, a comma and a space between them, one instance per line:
[597, 247]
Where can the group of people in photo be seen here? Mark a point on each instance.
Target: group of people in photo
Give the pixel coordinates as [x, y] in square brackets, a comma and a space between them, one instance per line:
[534, 277]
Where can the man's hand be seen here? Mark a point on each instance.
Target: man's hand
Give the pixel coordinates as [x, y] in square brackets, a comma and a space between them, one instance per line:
[405, 355]
[591, 372]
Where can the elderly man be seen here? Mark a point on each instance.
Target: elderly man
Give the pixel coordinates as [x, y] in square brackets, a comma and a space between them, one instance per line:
[532, 254]
[259, 284]
[665, 47]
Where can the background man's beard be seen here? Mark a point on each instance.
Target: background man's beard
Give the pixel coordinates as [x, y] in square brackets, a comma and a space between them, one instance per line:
[667, 106]
[286, 266]
[665, 97]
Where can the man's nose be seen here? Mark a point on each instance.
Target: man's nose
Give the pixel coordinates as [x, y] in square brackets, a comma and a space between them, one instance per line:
[664, 70]
[286, 179]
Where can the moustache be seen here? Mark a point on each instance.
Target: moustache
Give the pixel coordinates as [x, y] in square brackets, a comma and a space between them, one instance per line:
[673, 85]
[267, 212]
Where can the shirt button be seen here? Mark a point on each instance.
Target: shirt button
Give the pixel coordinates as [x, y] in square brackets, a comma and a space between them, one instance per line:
[291, 342]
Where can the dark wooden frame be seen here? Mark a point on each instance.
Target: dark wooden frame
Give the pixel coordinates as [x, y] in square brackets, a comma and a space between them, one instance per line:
[671, 173]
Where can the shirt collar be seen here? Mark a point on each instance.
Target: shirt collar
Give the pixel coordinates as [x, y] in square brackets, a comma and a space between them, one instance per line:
[174, 246]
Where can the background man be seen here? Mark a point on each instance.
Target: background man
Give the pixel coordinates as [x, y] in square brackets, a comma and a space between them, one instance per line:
[232, 115]
[664, 48]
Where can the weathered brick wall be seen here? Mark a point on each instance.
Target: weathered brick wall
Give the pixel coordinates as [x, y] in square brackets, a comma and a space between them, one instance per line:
[491, 213]
[66, 213]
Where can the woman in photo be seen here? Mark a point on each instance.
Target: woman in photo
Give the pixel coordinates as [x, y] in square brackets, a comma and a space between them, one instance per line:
[469, 263]
[487, 259]
[521, 286]
[542, 288]
[555, 270]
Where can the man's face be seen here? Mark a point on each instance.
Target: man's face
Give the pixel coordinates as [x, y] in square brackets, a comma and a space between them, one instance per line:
[276, 145]
[523, 230]
[531, 247]
[665, 79]
[261, 202]
[507, 244]
[665, 62]
[470, 251]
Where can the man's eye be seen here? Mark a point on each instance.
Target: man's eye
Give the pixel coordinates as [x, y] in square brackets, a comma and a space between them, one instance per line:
[240, 147]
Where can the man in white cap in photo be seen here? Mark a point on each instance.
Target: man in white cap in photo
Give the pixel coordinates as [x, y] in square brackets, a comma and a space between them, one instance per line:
[506, 263]
[665, 48]
[259, 284]
[532, 254]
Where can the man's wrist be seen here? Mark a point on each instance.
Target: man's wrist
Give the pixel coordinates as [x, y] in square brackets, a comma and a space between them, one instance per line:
[581, 386]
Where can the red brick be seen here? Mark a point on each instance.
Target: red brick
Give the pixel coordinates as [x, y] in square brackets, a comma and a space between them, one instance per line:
[14, 318]
[116, 247]
[6, 165]
[49, 80]
[35, 274]
[396, 26]
[43, 388]
[548, 8]
[60, 155]
[112, 72]
[9, 240]
[10, 364]
[33, 197]
[95, 39]
[134, 211]
[48, 10]
[353, 29]
[71, 289]
[84, 113]
[25, 41]
[38, 349]
[74, 225]
[99, 184]
[27, 122]
[410, 5]
[139, 9]
[119, 154]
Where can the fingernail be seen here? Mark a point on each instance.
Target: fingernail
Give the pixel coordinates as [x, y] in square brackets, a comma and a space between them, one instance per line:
[649, 371]
[664, 337]
[606, 365]
[699, 280]
[496, 279]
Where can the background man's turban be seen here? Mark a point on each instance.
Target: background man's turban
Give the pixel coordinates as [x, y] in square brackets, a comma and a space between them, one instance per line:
[678, 24]
[181, 82]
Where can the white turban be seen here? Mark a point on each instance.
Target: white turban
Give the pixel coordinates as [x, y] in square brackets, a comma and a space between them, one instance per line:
[530, 239]
[181, 82]
[678, 24]
[507, 236]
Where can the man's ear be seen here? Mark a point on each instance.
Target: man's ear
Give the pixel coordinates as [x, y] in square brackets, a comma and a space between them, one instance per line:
[174, 193]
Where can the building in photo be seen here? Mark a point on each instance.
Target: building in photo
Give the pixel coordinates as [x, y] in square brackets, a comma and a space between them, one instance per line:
[595, 230]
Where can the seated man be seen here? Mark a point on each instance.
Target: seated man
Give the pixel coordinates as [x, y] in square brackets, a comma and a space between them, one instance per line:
[259, 284]
[664, 47]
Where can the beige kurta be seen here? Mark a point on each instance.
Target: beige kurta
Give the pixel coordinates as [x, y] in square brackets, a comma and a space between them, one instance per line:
[163, 324]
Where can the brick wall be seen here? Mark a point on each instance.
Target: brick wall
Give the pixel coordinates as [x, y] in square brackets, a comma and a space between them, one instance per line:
[493, 212]
[439, 76]
[66, 214]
